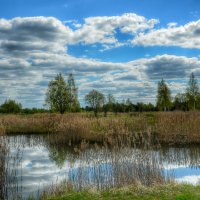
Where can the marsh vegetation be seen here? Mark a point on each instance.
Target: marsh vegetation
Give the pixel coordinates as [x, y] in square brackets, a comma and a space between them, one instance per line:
[135, 128]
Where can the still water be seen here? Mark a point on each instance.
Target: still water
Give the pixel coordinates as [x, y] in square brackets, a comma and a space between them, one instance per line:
[41, 165]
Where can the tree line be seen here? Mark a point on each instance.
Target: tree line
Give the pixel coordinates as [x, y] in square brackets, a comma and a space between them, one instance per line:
[189, 100]
[62, 96]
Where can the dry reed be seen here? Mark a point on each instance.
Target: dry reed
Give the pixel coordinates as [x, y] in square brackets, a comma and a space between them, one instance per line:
[143, 129]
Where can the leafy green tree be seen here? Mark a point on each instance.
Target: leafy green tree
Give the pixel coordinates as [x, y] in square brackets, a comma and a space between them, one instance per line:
[129, 105]
[95, 100]
[111, 101]
[181, 102]
[109, 104]
[163, 96]
[192, 92]
[57, 96]
[10, 106]
[33, 110]
[74, 104]
[140, 107]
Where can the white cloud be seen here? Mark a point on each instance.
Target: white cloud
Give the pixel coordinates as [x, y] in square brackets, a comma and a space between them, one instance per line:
[33, 50]
[103, 29]
[187, 36]
[167, 66]
[172, 24]
[193, 179]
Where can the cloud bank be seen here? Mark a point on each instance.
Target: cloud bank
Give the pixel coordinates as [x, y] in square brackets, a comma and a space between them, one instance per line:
[34, 49]
[186, 36]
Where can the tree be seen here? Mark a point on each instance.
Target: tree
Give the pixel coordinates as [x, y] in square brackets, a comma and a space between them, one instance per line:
[111, 101]
[74, 104]
[10, 106]
[163, 96]
[181, 102]
[128, 105]
[95, 99]
[57, 97]
[109, 104]
[192, 91]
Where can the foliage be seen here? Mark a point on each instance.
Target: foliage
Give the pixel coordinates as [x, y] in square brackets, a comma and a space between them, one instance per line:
[33, 110]
[96, 100]
[163, 96]
[181, 102]
[108, 104]
[74, 105]
[58, 96]
[10, 106]
[192, 91]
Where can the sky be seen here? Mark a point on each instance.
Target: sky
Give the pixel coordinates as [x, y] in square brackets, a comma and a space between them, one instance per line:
[121, 47]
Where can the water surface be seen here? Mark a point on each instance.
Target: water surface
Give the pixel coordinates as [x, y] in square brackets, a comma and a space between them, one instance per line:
[41, 165]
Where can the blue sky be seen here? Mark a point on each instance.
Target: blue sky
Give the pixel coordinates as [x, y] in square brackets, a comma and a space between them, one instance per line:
[121, 47]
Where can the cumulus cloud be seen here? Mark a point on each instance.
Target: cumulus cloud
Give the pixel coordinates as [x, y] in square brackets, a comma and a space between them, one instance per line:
[33, 50]
[167, 66]
[20, 35]
[187, 36]
[103, 29]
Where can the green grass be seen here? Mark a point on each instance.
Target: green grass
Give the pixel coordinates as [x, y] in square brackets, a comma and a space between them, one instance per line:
[162, 192]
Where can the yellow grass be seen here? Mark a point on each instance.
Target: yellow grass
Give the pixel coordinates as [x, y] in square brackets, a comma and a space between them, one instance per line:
[143, 128]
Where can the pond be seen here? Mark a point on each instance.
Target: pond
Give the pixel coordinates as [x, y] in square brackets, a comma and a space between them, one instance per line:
[33, 165]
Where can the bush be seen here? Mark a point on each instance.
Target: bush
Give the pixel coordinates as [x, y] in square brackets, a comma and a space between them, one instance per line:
[10, 106]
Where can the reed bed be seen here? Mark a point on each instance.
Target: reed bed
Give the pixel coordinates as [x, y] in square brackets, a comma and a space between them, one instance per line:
[3, 191]
[10, 188]
[178, 127]
[101, 168]
[138, 128]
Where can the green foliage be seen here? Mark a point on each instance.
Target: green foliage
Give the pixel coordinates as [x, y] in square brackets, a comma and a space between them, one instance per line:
[163, 96]
[111, 102]
[74, 105]
[95, 100]
[58, 96]
[192, 92]
[33, 110]
[181, 102]
[10, 106]
[108, 104]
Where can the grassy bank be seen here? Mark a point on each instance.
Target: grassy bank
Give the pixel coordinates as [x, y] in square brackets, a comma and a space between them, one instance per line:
[145, 128]
[159, 192]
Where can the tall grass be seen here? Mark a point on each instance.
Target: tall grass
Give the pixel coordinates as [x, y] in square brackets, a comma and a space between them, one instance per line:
[178, 127]
[3, 191]
[143, 129]
[102, 168]
[9, 174]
